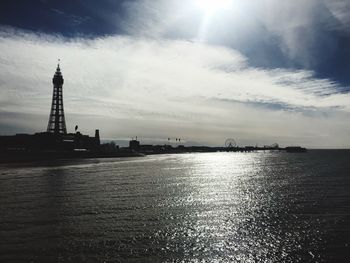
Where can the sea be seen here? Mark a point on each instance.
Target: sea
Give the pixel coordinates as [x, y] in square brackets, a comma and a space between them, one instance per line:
[196, 207]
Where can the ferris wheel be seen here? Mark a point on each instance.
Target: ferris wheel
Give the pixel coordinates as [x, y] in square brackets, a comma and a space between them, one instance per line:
[230, 143]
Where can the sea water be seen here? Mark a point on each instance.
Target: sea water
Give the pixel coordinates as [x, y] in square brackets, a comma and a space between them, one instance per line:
[200, 207]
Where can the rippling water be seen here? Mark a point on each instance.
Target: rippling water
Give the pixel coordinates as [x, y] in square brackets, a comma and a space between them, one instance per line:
[240, 207]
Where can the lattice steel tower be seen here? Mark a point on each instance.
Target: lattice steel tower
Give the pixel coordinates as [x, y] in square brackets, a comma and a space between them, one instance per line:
[57, 123]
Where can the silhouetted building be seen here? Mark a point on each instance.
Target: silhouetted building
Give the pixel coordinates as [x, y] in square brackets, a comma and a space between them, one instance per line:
[57, 123]
[56, 137]
[97, 136]
[45, 141]
[110, 147]
[134, 145]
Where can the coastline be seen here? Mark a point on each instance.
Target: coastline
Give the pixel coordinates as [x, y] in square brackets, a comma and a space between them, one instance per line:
[38, 156]
[20, 157]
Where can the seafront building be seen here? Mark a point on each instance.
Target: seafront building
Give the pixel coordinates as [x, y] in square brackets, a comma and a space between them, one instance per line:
[56, 137]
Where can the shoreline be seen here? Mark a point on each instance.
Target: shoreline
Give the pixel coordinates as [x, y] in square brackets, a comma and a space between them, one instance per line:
[13, 157]
[22, 157]
[37, 157]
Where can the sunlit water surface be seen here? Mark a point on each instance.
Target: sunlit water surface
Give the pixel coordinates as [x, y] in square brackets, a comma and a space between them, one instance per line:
[234, 207]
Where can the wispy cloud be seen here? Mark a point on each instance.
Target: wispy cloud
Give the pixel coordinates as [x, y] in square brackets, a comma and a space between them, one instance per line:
[158, 88]
[340, 10]
[70, 19]
[299, 34]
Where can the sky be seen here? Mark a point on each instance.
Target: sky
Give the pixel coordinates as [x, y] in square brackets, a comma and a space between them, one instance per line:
[258, 71]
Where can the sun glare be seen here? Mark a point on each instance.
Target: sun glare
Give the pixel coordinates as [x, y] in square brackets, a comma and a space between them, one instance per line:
[210, 6]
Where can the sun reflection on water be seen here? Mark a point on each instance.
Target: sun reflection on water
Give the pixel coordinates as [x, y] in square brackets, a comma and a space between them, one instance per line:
[238, 207]
[228, 203]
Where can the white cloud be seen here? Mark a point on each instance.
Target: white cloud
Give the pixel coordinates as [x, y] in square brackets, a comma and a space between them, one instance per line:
[300, 28]
[129, 86]
[340, 10]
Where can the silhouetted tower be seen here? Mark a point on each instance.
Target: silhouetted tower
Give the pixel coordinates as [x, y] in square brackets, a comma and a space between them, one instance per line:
[57, 123]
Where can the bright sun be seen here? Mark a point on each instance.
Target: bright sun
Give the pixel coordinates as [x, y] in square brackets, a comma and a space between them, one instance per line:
[210, 6]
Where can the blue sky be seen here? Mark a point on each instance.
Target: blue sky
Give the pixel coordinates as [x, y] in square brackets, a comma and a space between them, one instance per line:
[285, 60]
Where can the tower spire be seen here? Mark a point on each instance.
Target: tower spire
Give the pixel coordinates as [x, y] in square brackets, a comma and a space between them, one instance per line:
[57, 123]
